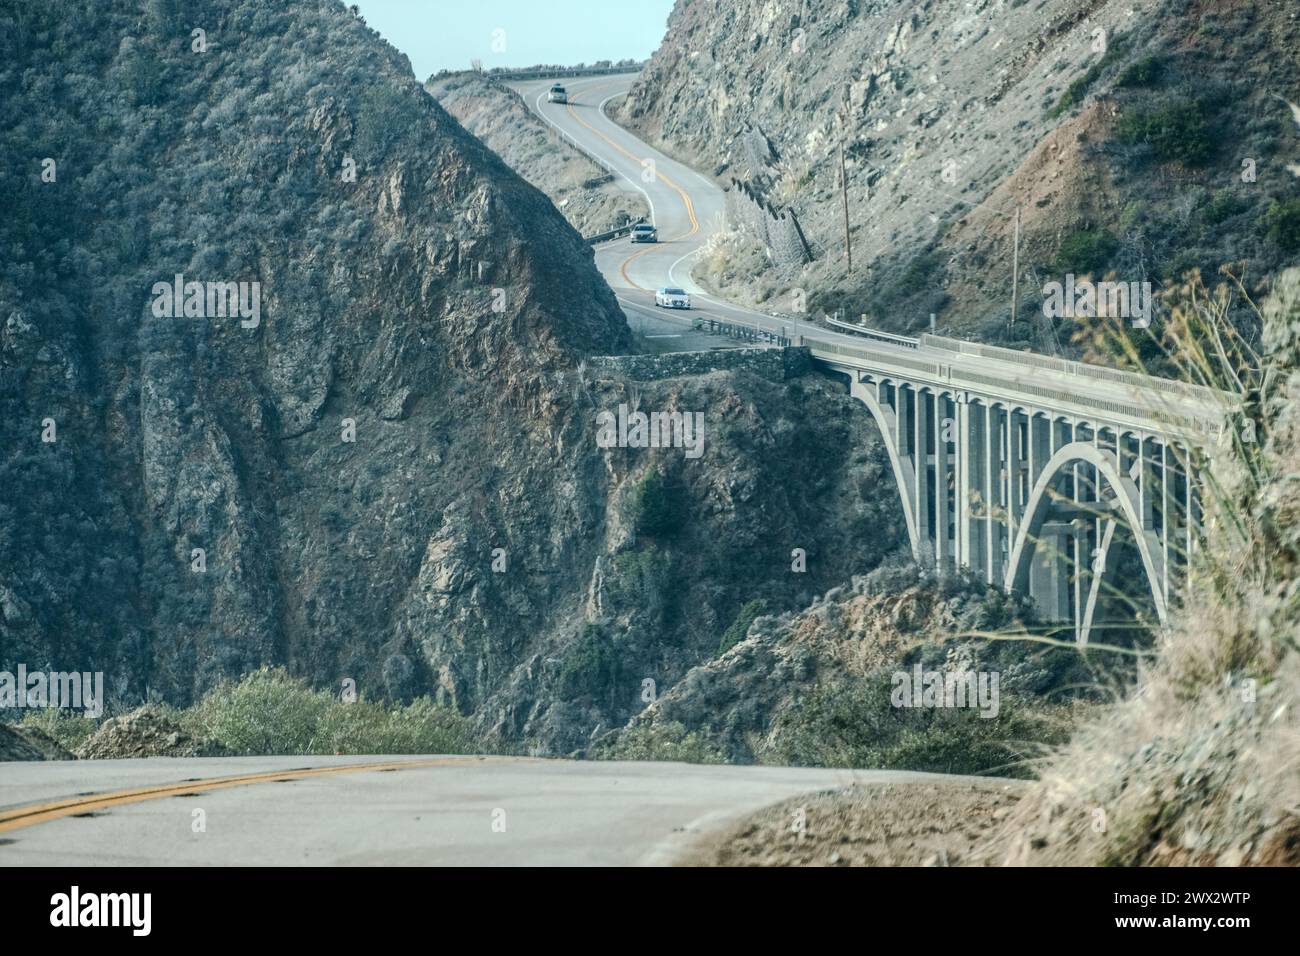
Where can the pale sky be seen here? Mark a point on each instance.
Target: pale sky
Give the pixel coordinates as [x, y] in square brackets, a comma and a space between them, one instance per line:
[448, 34]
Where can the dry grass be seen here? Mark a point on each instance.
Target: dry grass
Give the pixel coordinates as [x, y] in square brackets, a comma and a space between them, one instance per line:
[1201, 764]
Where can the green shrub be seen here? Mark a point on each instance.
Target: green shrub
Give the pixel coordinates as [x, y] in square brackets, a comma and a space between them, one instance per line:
[667, 741]
[1086, 251]
[591, 666]
[269, 712]
[1282, 224]
[643, 580]
[1224, 206]
[1143, 72]
[1176, 131]
[656, 507]
[70, 730]
[734, 634]
[854, 724]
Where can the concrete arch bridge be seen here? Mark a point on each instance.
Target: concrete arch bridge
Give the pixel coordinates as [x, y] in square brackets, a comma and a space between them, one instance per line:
[1026, 468]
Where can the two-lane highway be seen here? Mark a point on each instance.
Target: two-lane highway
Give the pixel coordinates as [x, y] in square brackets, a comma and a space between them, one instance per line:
[441, 811]
[687, 208]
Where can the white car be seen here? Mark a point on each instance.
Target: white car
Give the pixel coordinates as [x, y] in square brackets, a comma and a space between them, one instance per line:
[557, 94]
[672, 299]
[644, 232]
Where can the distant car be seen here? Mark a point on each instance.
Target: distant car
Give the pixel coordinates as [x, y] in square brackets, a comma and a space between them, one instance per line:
[644, 232]
[557, 94]
[672, 299]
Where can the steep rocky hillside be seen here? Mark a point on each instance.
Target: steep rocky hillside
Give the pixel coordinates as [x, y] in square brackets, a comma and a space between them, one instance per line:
[587, 195]
[1121, 129]
[813, 687]
[388, 471]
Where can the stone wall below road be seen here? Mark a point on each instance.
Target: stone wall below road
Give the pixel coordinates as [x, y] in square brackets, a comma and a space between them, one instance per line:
[777, 364]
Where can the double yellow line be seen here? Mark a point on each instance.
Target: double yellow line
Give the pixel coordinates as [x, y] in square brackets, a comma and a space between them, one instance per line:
[26, 816]
[640, 161]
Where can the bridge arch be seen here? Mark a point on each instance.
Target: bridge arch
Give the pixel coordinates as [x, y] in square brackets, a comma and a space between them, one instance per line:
[1039, 505]
[904, 474]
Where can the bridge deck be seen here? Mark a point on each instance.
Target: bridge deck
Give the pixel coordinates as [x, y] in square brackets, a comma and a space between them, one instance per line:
[1142, 403]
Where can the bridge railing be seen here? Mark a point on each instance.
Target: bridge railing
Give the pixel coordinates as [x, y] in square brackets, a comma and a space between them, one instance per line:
[737, 330]
[1210, 427]
[1099, 372]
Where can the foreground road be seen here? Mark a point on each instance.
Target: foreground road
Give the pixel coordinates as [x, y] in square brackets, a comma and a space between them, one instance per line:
[399, 811]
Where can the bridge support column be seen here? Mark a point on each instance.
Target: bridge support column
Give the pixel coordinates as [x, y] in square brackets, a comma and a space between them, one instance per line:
[942, 491]
[966, 443]
[1048, 573]
[921, 464]
[1015, 498]
[992, 481]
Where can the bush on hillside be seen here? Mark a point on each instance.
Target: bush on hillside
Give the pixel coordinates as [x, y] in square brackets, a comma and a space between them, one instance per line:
[667, 741]
[1282, 224]
[1176, 131]
[268, 712]
[1086, 252]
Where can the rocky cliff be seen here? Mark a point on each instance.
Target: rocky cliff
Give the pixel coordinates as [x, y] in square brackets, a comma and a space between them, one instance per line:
[384, 467]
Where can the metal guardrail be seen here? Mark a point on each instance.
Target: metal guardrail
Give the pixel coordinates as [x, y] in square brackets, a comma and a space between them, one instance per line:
[613, 233]
[1133, 379]
[737, 331]
[900, 340]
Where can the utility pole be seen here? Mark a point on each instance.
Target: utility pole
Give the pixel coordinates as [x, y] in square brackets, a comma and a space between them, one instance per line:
[1015, 271]
[844, 192]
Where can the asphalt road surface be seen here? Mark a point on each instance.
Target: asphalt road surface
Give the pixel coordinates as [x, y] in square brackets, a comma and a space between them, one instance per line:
[382, 810]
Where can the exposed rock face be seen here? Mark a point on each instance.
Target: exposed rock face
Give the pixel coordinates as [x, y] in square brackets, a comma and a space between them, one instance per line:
[175, 435]
[588, 195]
[325, 483]
[143, 733]
[952, 113]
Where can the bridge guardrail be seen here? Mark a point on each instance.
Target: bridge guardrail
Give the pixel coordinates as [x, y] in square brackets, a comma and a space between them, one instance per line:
[737, 331]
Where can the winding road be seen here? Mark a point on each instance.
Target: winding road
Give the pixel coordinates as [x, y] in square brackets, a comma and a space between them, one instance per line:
[686, 207]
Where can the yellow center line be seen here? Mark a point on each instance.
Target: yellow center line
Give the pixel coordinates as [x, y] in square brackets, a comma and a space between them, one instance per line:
[686, 200]
[31, 814]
